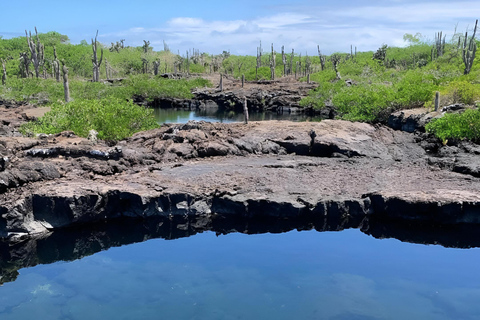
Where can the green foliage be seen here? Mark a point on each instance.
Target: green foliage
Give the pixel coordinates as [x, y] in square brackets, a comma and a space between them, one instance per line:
[45, 91]
[457, 126]
[459, 91]
[364, 102]
[263, 73]
[114, 119]
[414, 89]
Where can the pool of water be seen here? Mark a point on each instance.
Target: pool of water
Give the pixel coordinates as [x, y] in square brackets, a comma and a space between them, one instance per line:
[292, 275]
[217, 115]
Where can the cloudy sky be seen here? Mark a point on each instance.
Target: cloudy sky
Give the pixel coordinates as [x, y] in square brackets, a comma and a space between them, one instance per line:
[238, 26]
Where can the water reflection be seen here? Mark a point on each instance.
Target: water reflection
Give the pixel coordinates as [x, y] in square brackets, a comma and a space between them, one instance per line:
[226, 116]
[293, 275]
[75, 243]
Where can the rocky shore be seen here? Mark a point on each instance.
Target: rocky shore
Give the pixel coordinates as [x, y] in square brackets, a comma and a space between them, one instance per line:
[282, 170]
[63, 197]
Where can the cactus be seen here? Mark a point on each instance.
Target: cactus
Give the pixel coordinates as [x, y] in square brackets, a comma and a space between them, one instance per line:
[284, 61]
[272, 64]
[321, 57]
[156, 65]
[291, 61]
[4, 72]
[24, 65]
[56, 65]
[468, 52]
[66, 87]
[259, 60]
[335, 60]
[36, 52]
[439, 47]
[95, 62]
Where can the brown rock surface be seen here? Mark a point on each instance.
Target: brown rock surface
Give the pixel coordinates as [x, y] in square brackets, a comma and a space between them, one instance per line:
[263, 169]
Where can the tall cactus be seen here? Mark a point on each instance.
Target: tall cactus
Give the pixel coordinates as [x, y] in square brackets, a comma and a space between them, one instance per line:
[95, 62]
[56, 65]
[272, 64]
[36, 51]
[4, 72]
[284, 61]
[468, 53]
[66, 87]
[321, 57]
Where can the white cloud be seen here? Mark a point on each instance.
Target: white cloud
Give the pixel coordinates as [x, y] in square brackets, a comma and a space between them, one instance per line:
[302, 28]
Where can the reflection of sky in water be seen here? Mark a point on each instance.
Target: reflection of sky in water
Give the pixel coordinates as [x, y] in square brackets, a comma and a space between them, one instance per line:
[297, 275]
[215, 115]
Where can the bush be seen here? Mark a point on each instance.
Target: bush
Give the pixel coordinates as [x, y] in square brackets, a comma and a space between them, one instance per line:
[459, 91]
[364, 102]
[114, 119]
[457, 126]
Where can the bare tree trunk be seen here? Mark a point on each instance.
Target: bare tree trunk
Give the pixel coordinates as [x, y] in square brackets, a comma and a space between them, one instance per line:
[221, 82]
[243, 80]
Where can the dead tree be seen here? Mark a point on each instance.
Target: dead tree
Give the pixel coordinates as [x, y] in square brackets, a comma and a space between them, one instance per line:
[4, 72]
[56, 65]
[66, 88]
[96, 63]
[468, 53]
[36, 51]
[321, 57]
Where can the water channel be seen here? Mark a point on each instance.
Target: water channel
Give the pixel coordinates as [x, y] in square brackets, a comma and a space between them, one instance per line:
[225, 116]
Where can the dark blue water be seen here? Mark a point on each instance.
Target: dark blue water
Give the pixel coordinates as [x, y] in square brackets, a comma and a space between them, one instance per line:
[294, 275]
[216, 115]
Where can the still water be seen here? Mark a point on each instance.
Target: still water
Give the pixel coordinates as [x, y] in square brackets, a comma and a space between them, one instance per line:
[217, 115]
[293, 275]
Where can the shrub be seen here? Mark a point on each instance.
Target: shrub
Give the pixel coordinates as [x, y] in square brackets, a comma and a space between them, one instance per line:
[114, 119]
[457, 126]
[364, 102]
[460, 91]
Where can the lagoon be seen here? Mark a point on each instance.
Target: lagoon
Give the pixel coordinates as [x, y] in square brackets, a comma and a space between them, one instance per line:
[291, 275]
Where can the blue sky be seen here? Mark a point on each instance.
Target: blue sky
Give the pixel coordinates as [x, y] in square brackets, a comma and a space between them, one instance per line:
[238, 26]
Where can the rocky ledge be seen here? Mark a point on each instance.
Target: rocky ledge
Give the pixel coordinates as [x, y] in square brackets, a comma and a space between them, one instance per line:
[264, 170]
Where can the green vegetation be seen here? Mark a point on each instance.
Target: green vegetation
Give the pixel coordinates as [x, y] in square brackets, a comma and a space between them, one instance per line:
[113, 119]
[363, 86]
[457, 126]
